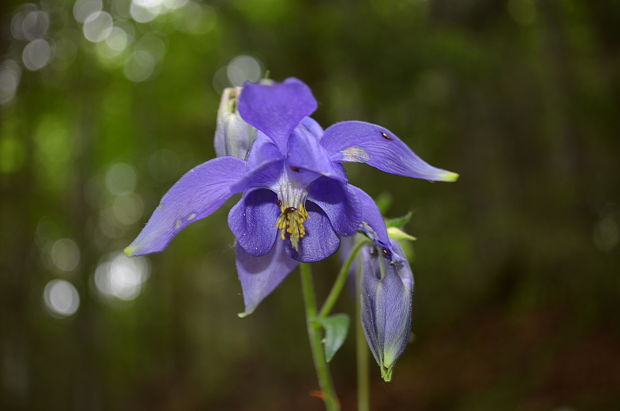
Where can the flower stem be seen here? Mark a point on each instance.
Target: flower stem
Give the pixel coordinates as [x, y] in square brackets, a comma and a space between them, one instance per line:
[363, 381]
[314, 335]
[340, 280]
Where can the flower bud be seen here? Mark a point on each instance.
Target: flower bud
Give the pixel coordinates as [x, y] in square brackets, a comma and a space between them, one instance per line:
[386, 305]
[233, 136]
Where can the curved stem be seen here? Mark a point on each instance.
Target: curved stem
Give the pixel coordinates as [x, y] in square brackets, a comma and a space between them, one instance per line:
[361, 350]
[314, 335]
[340, 280]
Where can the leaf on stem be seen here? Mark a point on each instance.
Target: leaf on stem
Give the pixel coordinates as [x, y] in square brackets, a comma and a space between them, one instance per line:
[399, 222]
[336, 328]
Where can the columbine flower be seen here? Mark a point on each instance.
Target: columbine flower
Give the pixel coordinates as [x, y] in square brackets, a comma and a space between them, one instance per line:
[386, 299]
[296, 201]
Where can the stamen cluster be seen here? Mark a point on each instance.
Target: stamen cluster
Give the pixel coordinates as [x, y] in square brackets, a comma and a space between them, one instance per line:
[291, 221]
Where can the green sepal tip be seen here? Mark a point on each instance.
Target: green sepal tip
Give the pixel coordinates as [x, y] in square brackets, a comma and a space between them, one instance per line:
[398, 234]
[386, 374]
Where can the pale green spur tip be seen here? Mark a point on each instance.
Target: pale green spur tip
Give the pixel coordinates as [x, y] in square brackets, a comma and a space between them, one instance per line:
[244, 314]
[449, 176]
[129, 251]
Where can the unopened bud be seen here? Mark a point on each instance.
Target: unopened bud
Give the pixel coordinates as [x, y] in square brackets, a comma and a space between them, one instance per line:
[233, 136]
[386, 306]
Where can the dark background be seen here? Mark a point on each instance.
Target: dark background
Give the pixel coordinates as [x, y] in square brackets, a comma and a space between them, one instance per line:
[517, 282]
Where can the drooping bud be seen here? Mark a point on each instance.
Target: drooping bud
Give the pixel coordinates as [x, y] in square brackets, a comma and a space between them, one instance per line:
[233, 136]
[386, 311]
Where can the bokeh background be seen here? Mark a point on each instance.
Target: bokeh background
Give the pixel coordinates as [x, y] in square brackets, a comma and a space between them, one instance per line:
[105, 103]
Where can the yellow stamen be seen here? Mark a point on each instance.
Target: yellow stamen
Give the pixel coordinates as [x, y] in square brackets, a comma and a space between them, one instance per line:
[291, 221]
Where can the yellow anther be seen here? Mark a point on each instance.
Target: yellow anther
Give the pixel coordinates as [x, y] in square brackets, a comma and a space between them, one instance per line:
[291, 221]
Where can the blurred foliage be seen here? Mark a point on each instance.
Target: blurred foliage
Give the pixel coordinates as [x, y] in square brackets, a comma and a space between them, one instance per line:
[516, 264]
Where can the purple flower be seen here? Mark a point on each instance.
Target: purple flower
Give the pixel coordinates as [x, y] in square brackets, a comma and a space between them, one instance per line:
[297, 202]
[386, 305]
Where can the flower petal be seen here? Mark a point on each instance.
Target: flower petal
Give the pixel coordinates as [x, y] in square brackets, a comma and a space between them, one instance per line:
[264, 151]
[201, 191]
[264, 165]
[305, 153]
[339, 202]
[372, 222]
[276, 109]
[313, 127]
[358, 141]
[320, 241]
[259, 276]
[387, 301]
[253, 221]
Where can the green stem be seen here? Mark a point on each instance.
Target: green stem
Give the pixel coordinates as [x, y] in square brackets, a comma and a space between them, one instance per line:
[363, 381]
[340, 280]
[314, 335]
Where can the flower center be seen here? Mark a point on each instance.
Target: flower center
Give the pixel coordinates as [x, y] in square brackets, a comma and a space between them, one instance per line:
[291, 221]
[293, 213]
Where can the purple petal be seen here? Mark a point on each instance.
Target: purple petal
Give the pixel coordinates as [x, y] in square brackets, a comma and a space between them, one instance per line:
[264, 151]
[313, 127]
[373, 223]
[276, 109]
[253, 221]
[320, 241]
[264, 176]
[339, 202]
[201, 191]
[387, 300]
[259, 276]
[299, 177]
[358, 141]
[305, 153]
[264, 165]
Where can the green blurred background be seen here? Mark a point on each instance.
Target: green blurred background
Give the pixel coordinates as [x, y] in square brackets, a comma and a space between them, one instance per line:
[103, 105]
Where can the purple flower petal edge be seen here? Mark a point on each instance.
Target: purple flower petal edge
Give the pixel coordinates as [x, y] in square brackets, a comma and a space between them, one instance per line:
[358, 141]
[259, 276]
[200, 192]
[276, 109]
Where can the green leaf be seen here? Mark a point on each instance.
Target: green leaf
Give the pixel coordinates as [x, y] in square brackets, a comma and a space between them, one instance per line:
[399, 222]
[336, 328]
